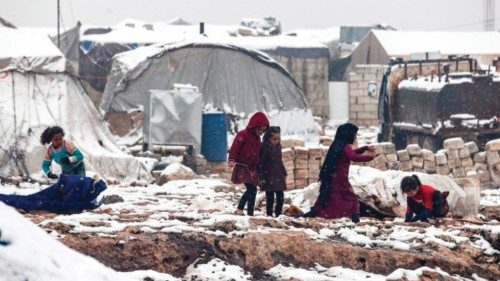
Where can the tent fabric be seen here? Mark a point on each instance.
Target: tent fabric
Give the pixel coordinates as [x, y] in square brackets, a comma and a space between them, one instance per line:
[231, 78]
[31, 102]
[70, 194]
[25, 51]
[69, 45]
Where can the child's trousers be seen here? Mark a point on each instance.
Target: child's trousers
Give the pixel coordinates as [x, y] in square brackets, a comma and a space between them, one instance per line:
[248, 197]
[270, 202]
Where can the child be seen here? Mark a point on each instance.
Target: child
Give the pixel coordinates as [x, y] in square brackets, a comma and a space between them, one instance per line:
[423, 200]
[64, 152]
[244, 157]
[336, 196]
[272, 173]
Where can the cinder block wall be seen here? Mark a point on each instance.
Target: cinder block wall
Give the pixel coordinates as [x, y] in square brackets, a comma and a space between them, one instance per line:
[363, 108]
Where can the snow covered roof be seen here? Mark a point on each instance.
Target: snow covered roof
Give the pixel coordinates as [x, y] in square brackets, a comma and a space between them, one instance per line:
[29, 50]
[407, 42]
[324, 36]
[136, 31]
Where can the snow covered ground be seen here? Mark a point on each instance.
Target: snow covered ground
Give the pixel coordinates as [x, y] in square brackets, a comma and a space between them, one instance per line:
[197, 206]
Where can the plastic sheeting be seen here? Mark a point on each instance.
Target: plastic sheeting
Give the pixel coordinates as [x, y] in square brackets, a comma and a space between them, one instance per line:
[31, 102]
[173, 117]
[381, 190]
[232, 79]
[25, 51]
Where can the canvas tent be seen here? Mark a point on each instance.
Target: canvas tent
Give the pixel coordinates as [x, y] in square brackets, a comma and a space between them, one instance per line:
[379, 46]
[35, 92]
[233, 79]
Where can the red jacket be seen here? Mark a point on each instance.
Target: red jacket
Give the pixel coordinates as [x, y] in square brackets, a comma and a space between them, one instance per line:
[246, 144]
[424, 197]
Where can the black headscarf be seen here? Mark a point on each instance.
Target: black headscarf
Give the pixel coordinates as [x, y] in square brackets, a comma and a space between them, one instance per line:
[346, 134]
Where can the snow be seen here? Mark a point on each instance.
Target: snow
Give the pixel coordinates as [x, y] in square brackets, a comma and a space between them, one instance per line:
[29, 50]
[216, 270]
[320, 273]
[407, 42]
[490, 197]
[223, 34]
[176, 168]
[325, 36]
[31, 254]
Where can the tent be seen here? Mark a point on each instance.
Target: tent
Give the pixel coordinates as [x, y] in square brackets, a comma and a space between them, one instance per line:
[378, 46]
[233, 79]
[36, 92]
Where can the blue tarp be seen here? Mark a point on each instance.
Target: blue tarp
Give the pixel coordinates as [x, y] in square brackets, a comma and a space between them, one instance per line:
[70, 194]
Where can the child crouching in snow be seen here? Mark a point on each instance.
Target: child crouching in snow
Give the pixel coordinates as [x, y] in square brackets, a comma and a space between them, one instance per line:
[244, 156]
[63, 152]
[423, 200]
[272, 173]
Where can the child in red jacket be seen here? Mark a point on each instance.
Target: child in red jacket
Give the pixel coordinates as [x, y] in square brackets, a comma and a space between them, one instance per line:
[244, 156]
[423, 200]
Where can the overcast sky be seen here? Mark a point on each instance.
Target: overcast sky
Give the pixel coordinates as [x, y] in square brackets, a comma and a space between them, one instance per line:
[402, 14]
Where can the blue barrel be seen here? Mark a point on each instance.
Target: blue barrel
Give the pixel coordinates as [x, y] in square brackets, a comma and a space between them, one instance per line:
[214, 136]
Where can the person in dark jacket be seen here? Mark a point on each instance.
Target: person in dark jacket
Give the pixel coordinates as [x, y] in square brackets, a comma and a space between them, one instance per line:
[244, 158]
[336, 196]
[272, 173]
[423, 201]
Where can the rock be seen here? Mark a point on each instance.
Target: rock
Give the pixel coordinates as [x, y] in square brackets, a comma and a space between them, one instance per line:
[315, 153]
[484, 176]
[392, 157]
[454, 143]
[491, 212]
[406, 166]
[454, 163]
[176, 171]
[458, 172]
[443, 169]
[466, 162]
[111, 199]
[495, 174]
[430, 167]
[453, 154]
[301, 173]
[301, 183]
[393, 165]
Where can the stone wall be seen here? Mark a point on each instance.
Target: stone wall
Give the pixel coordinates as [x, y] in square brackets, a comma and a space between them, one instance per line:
[362, 107]
[311, 75]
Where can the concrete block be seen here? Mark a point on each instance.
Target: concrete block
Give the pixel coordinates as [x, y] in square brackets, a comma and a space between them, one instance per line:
[301, 174]
[472, 147]
[406, 165]
[454, 143]
[467, 162]
[417, 162]
[428, 155]
[393, 165]
[464, 152]
[495, 174]
[484, 176]
[492, 158]
[442, 169]
[458, 172]
[414, 150]
[403, 155]
[453, 153]
[430, 166]
[480, 157]
[392, 157]
[301, 153]
[441, 159]
[493, 145]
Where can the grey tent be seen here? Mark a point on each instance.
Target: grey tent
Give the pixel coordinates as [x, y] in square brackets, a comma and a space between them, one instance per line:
[232, 79]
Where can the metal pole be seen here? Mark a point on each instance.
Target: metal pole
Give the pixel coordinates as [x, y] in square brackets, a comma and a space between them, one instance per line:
[58, 33]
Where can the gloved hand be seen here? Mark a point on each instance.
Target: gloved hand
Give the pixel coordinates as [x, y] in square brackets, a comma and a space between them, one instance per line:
[65, 160]
[51, 175]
